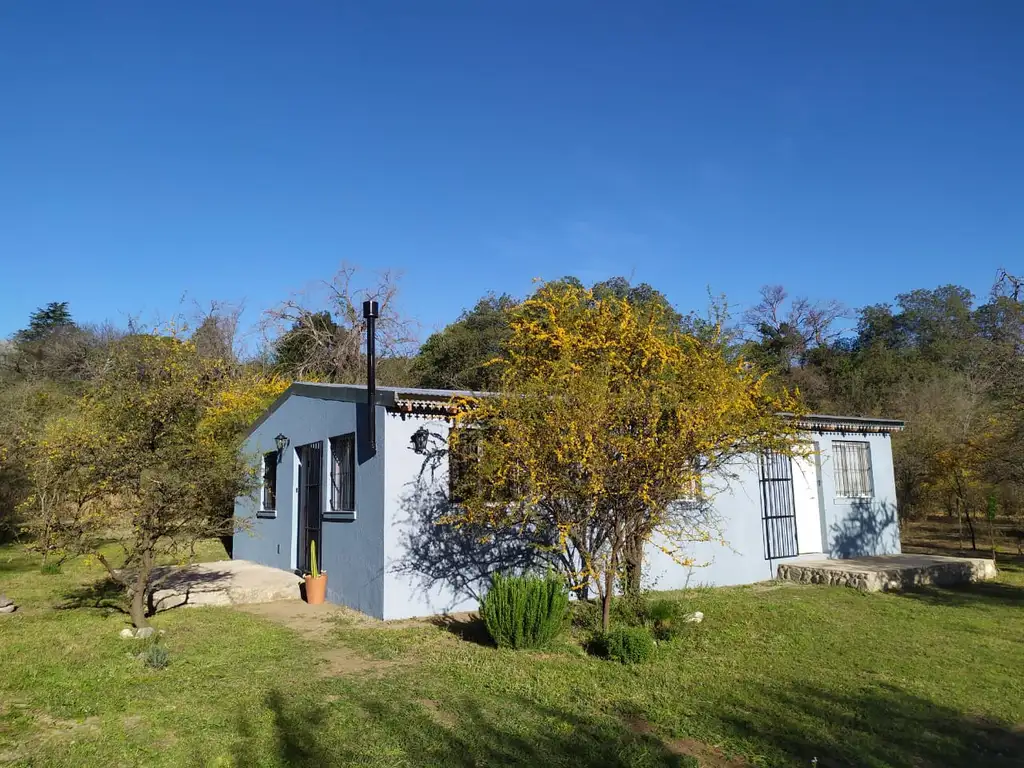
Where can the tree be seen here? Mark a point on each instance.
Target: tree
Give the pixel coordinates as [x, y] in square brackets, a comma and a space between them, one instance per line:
[319, 334]
[136, 454]
[467, 353]
[55, 316]
[461, 356]
[606, 418]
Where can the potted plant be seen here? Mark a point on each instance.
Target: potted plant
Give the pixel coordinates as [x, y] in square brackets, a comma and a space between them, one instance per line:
[316, 582]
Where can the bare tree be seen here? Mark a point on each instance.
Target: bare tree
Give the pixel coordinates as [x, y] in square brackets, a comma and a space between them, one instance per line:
[790, 328]
[319, 333]
[216, 331]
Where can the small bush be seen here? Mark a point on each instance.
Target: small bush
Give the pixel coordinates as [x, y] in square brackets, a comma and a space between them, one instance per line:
[667, 619]
[629, 645]
[585, 614]
[50, 569]
[524, 611]
[155, 656]
[631, 610]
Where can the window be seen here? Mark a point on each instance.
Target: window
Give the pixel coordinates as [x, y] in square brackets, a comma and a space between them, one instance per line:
[343, 473]
[853, 469]
[269, 501]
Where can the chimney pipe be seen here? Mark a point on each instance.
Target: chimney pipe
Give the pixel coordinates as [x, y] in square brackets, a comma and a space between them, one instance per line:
[371, 311]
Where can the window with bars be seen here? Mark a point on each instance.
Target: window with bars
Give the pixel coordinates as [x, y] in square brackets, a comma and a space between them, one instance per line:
[269, 500]
[343, 473]
[853, 469]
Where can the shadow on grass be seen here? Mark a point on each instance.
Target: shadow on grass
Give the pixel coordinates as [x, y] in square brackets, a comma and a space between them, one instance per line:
[461, 734]
[469, 627]
[878, 726]
[977, 595]
[104, 594]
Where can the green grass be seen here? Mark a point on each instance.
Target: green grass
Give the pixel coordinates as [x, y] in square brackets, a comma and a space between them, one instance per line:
[775, 675]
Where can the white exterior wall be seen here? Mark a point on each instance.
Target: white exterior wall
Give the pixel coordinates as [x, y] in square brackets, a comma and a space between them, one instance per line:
[415, 493]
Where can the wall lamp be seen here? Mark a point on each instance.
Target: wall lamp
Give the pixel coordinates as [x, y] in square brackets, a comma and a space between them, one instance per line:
[419, 440]
[281, 442]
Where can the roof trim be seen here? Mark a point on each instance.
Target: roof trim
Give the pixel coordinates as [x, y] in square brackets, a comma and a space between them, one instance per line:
[436, 402]
[819, 422]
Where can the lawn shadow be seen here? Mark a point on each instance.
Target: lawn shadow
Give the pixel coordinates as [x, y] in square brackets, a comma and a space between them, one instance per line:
[105, 594]
[456, 733]
[882, 725]
[466, 626]
[974, 594]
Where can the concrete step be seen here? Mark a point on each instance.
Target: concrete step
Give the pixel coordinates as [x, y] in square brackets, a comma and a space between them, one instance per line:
[224, 582]
[890, 572]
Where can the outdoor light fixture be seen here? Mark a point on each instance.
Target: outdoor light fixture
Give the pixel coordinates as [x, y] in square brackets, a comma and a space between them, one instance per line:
[419, 440]
[281, 442]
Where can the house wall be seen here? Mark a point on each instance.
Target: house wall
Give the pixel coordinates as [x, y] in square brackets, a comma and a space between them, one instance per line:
[351, 552]
[423, 575]
[849, 528]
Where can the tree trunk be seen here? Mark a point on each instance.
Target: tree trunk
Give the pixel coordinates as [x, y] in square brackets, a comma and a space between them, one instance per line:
[140, 591]
[606, 599]
[634, 557]
[970, 528]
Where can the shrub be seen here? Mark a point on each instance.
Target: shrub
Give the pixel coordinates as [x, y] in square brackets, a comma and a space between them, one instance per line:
[524, 611]
[629, 645]
[155, 656]
[585, 614]
[666, 618]
[631, 610]
[51, 568]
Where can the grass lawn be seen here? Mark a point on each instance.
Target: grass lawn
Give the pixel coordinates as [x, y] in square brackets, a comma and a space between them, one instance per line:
[775, 675]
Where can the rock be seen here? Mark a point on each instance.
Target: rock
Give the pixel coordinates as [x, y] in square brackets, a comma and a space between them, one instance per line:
[695, 618]
[5, 601]
[144, 632]
[8, 608]
[127, 633]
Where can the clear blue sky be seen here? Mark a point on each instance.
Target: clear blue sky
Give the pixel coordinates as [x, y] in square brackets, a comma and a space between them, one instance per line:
[240, 150]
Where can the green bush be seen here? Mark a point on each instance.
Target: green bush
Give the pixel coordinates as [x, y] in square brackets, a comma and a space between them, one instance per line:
[525, 611]
[585, 614]
[631, 610]
[667, 619]
[155, 656]
[629, 645]
[50, 569]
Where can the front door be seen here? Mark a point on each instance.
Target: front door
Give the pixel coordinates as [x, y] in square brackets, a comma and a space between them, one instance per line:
[806, 498]
[310, 458]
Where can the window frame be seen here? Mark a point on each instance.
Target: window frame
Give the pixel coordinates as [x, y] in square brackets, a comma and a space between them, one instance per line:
[844, 473]
[337, 503]
[270, 461]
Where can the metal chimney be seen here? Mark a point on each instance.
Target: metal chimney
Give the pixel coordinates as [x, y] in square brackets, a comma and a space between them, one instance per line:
[371, 311]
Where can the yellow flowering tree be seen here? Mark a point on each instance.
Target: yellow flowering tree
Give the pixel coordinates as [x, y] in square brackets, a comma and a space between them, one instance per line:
[607, 419]
[153, 449]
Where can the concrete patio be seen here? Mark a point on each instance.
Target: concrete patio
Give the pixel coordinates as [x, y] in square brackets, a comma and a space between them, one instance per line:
[225, 582]
[890, 572]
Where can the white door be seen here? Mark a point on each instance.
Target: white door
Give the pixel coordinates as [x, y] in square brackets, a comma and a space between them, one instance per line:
[805, 498]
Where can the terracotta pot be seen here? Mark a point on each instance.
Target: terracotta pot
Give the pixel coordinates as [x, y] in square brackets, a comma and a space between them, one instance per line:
[316, 589]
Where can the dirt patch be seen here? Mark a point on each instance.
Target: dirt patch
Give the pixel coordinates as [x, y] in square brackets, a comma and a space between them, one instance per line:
[440, 716]
[318, 623]
[54, 727]
[706, 755]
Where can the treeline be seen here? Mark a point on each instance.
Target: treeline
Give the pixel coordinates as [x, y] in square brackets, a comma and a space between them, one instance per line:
[950, 363]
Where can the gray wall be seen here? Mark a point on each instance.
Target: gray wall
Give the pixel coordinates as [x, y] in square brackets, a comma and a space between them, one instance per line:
[352, 552]
[735, 555]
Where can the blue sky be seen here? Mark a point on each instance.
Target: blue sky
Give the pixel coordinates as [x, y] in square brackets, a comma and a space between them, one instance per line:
[238, 151]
